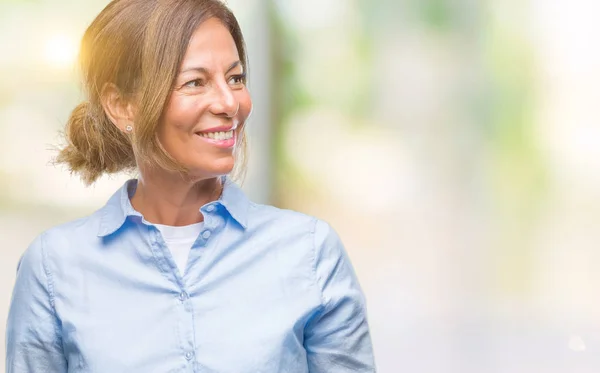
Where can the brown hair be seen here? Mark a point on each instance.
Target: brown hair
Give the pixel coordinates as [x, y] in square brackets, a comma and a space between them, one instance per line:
[137, 45]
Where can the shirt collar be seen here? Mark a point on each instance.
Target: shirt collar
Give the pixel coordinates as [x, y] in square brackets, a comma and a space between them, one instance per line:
[118, 207]
[235, 201]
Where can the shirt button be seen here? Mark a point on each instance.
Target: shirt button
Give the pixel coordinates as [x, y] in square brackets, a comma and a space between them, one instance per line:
[189, 355]
[183, 296]
[206, 234]
[210, 208]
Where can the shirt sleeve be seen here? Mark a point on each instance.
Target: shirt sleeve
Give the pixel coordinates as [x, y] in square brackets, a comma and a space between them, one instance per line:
[337, 338]
[33, 342]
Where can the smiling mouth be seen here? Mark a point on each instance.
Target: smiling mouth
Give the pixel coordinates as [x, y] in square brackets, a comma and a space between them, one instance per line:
[219, 136]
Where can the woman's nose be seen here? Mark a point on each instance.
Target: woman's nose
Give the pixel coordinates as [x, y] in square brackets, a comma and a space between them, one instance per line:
[225, 103]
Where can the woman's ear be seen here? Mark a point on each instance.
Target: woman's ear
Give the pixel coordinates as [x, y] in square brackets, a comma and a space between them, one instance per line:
[119, 110]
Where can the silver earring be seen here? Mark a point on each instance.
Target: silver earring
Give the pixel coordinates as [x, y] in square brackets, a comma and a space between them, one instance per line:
[128, 128]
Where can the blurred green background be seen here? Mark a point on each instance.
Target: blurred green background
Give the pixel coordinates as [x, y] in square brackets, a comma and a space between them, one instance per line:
[454, 145]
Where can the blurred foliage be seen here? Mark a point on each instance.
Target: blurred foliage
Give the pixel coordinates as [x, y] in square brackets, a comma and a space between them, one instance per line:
[349, 73]
[436, 14]
[286, 96]
[517, 173]
[501, 112]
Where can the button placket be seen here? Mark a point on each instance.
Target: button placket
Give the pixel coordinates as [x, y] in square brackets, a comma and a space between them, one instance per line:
[183, 296]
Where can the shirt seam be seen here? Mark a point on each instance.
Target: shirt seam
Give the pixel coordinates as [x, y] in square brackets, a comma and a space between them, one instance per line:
[314, 263]
[49, 286]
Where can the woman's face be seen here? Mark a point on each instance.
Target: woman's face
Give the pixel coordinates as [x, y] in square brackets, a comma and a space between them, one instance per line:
[209, 104]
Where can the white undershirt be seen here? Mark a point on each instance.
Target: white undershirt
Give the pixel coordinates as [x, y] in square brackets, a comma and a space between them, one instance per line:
[179, 240]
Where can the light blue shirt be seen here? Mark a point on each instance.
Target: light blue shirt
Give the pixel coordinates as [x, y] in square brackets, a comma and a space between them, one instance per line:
[265, 290]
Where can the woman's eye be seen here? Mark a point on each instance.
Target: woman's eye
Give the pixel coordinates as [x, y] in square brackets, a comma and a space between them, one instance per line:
[194, 83]
[238, 79]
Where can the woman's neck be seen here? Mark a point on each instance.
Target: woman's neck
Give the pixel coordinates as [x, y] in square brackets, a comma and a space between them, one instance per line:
[174, 200]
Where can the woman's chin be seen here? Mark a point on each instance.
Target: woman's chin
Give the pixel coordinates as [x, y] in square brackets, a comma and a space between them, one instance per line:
[218, 168]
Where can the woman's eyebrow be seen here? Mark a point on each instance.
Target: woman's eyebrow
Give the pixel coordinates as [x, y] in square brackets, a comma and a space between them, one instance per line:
[205, 70]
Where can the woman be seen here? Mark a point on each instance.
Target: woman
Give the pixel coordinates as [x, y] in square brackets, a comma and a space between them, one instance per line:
[179, 271]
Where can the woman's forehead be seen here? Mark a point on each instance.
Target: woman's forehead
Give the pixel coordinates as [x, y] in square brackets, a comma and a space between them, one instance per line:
[211, 44]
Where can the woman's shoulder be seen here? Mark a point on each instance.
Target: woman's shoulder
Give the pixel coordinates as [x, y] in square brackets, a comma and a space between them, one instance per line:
[88, 225]
[287, 219]
[265, 213]
[60, 238]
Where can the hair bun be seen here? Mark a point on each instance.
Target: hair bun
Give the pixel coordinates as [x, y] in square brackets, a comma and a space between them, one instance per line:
[94, 146]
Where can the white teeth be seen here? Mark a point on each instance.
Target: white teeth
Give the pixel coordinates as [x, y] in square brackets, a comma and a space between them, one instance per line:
[218, 135]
